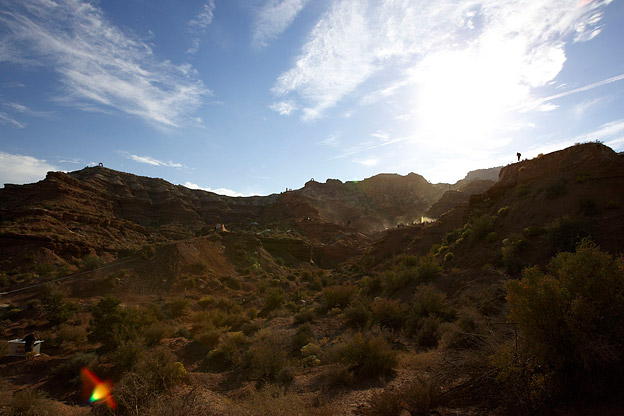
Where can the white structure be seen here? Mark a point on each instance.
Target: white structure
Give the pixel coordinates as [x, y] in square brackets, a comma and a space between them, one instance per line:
[17, 348]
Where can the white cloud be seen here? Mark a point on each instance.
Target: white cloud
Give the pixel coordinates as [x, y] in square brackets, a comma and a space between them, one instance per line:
[100, 66]
[547, 107]
[381, 135]
[284, 108]
[8, 119]
[199, 24]
[273, 18]
[204, 18]
[370, 162]
[20, 169]
[220, 191]
[154, 162]
[331, 140]
[520, 43]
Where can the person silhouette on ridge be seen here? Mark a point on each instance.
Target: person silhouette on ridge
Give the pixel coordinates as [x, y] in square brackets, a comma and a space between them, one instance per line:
[518, 154]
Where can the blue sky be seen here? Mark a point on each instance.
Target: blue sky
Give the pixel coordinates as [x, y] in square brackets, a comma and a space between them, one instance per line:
[254, 96]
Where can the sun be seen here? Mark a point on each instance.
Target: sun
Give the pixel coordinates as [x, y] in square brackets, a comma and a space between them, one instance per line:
[463, 97]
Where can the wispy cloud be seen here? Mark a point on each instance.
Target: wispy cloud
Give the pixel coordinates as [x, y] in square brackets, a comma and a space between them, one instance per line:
[99, 65]
[220, 191]
[154, 162]
[273, 18]
[204, 18]
[7, 119]
[284, 108]
[199, 24]
[370, 162]
[332, 140]
[20, 169]
[509, 47]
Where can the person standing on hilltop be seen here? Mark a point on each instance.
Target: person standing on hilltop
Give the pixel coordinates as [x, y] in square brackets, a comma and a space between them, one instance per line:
[518, 154]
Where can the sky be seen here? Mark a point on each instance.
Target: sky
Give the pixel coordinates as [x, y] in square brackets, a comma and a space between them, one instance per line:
[250, 97]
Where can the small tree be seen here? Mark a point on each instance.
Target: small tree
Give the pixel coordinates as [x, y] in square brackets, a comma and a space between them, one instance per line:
[112, 325]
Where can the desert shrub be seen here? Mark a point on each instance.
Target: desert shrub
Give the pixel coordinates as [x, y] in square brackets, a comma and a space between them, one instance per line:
[229, 351]
[416, 398]
[70, 369]
[30, 402]
[112, 325]
[160, 368]
[511, 252]
[389, 313]
[491, 237]
[396, 279]
[177, 307]
[522, 191]
[371, 286]
[205, 302]
[266, 356]
[428, 301]
[556, 189]
[481, 226]
[127, 354]
[366, 356]
[231, 282]
[55, 309]
[92, 263]
[503, 211]
[303, 336]
[448, 257]
[72, 335]
[209, 338]
[274, 400]
[273, 301]
[310, 353]
[357, 315]
[338, 375]
[337, 296]
[228, 305]
[249, 328]
[306, 315]
[155, 332]
[428, 334]
[573, 315]
[581, 178]
[428, 269]
[565, 232]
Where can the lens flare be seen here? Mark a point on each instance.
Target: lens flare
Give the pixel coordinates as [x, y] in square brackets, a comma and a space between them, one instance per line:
[94, 389]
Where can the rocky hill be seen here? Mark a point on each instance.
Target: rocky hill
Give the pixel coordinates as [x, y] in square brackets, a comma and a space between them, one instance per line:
[100, 211]
[537, 208]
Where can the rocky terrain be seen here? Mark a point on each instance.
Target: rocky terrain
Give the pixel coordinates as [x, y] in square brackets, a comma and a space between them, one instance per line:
[331, 299]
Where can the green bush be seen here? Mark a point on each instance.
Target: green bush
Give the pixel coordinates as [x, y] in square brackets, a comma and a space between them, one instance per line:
[337, 296]
[565, 232]
[74, 336]
[389, 313]
[522, 191]
[177, 307]
[160, 368]
[273, 301]
[448, 257]
[428, 335]
[357, 315]
[112, 325]
[92, 263]
[481, 226]
[428, 269]
[267, 356]
[55, 309]
[367, 356]
[572, 316]
[503, 211]
[303, 336]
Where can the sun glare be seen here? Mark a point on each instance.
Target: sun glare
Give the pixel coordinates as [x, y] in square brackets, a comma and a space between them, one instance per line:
[463, 96]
